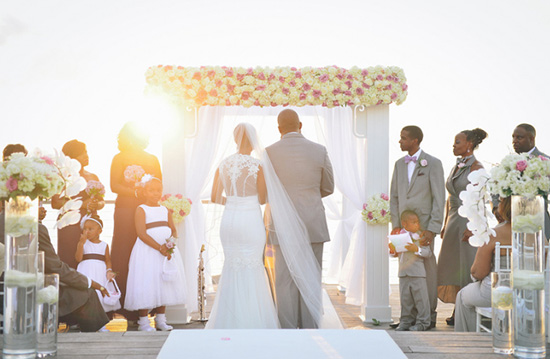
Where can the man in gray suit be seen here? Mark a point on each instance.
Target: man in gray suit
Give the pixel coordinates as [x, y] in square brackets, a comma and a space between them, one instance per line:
[305, 172]
[417, 184]
[523, 141]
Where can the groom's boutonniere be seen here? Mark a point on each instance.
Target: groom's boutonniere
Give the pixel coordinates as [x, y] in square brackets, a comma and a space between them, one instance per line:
[423, 162]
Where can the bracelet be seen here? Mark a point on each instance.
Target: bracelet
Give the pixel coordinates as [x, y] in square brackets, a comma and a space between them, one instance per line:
[109, 269]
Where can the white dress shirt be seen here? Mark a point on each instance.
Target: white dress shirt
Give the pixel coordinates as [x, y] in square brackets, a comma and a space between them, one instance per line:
[411, 165]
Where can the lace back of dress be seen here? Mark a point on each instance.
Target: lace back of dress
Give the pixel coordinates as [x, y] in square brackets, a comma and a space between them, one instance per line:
[239, 174]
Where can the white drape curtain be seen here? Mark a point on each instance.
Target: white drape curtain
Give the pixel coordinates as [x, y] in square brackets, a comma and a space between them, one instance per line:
[348, 156]
[187, 170]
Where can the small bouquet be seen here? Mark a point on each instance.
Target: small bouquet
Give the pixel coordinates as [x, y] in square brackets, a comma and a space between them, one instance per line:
[133, 173]
[171, 244]
[179, 206]
[95, 189]
[377, 209]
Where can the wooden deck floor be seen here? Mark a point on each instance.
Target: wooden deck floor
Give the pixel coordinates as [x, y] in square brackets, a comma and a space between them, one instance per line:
[439, 343]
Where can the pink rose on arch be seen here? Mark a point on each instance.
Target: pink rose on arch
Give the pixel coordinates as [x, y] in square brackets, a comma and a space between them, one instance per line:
[348, 83]
[423, 162]
[379, 77]
[293, 69]
[384, 196]
[261, 76]
[245, 95]
[335, 103]
[306, 87]
[250, 71]
[383, 212]
[285, 90]
[369, 215]
[260, 87]
[298, 74]
[179, 196]
[11, 184]
[271, 77]
[229, 73]
[323, 78]
[282, 79]
[213, 93]
[359, 91]
[302, 96]
[405, 87]
[521, 165]
[542, 158]
[350, 77]
[393, 96]
[340, 76]
[316, 93]
[364, 73]
[364, 206]
[336, 91]
[292, 83]
[347, 93]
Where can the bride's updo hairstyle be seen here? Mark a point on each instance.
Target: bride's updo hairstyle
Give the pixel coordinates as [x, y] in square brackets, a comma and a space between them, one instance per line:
[475, 136]
[245, 135]
[132, 137]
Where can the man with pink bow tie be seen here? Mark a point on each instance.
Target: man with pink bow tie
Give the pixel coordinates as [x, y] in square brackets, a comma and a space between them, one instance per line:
[418, 185]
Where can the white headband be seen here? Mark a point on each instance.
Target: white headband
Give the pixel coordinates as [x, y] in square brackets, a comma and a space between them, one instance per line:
[147, 178]
[89, 217]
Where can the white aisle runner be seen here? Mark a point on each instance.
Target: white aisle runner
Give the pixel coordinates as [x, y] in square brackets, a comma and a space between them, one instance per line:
[280, 344]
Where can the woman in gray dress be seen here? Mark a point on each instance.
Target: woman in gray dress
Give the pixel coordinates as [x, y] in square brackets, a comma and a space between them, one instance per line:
[457, 255]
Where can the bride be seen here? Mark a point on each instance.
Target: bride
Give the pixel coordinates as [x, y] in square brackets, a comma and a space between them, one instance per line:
[243, 299]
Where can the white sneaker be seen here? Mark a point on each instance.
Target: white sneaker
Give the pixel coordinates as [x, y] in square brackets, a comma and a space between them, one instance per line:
[145, 325]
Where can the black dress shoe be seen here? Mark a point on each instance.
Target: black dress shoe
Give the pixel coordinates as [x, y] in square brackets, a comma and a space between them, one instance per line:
[432, 325]
[450, 321]
[394, 325]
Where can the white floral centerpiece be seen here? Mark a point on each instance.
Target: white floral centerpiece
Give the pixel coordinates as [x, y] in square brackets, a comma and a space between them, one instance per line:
[521, 174]
[179, 206]
[377, 209]
[43, 176]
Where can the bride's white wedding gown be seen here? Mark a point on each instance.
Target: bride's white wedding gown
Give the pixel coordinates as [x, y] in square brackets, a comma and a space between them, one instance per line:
[243, 298]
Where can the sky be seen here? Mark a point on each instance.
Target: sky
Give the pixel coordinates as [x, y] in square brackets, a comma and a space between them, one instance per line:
[75, 69]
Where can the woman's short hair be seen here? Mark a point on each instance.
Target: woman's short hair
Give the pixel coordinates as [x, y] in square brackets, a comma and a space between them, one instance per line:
[13, 148]
[132, 136]
[74, 148]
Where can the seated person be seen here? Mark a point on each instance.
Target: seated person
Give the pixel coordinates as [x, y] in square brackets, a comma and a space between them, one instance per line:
[78, 301]
[478, 293]
[413, 288]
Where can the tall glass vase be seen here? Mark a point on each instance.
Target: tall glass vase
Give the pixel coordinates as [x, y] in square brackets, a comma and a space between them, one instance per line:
[20, 279]
[528, 276]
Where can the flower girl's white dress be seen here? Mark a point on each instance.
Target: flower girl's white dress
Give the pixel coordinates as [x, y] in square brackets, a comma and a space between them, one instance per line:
[243, 298]
[96, 269]
[147, 287]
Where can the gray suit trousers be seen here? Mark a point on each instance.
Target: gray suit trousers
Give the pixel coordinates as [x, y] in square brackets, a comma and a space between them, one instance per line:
[291, 309]
[413, 294]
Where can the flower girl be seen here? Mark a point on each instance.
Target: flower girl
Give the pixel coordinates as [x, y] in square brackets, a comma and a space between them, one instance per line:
[94, 261]
[155, 273]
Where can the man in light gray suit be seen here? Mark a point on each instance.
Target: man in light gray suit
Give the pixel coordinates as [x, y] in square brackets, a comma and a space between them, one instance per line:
[305, 172]
[417, 184]
[523, 141]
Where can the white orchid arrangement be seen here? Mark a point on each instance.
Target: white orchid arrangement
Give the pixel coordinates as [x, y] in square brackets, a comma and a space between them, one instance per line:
[40, 175]
[474, 207]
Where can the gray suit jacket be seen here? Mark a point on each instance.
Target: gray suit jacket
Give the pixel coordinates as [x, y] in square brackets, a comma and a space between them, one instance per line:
[425, 195]
[305, 171]
[537, 153]
[411, 264]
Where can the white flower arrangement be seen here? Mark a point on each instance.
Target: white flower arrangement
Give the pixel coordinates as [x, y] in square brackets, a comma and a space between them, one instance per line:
[40, 175]
[474, 207]
[377, 209]
[179, 206]
[521, 174]
[280, 86]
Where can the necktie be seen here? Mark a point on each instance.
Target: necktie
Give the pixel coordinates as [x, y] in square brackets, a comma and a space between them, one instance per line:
[409, 159]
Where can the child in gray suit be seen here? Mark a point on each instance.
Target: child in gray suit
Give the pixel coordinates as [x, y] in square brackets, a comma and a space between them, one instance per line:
[413, 289]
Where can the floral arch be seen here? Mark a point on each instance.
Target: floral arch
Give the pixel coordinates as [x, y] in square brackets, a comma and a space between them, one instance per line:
[352, 107]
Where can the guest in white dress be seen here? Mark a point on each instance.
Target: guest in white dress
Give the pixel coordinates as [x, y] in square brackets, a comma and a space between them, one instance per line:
[155, 273]
[243, 297]
[92, 256]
